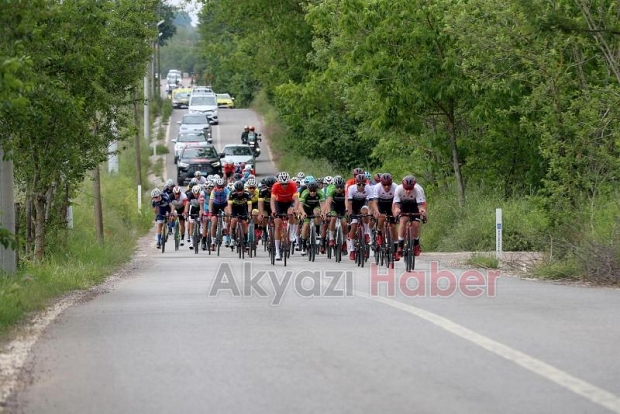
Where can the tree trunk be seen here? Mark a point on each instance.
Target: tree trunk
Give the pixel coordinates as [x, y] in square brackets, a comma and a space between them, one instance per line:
[456, 162]
[39, 227]
[97, 205]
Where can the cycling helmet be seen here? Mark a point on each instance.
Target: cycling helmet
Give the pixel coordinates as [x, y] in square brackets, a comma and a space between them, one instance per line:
[237, 176]
[215, 177]
[360, 179]
[368, 175]
[301, 175]
[378, 177]
[209, 185]
[283, 177]
[252, 128]
[409, 182]
[231, 186]
[386, 179]
[339, 181]
[196, 189]
[155, 193]
[245, 127]
[169, 183]
[270, 181]
[328, 179]
[193, 182]
[358, 171]
[296, 180]
[320, 180]
[197, 174]
[239, 185]
[247, 167]
[251, 182]
[310, 179]
[176, 190]
[313, 186]
[220, 182]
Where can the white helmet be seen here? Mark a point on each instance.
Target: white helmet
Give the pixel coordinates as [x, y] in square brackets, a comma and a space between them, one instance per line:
[251, 182]
[169, 183]
[155, 193]
[196, 189]
[215, 177]
[248, 167]
[283, 177]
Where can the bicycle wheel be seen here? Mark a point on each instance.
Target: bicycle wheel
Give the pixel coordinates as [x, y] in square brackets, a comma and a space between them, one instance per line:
[218, 234]
[177, 235]
[251, 238]
[361, 246]
[409, 251]
[196, 237]
[209, 239]
[338, 243]
[164, 236]
[272, 245]
[312, 243]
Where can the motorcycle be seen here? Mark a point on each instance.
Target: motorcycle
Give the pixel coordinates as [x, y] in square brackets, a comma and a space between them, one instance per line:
[253, 140]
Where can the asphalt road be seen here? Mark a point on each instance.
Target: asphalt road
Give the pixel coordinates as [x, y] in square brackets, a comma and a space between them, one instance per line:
[186, 333]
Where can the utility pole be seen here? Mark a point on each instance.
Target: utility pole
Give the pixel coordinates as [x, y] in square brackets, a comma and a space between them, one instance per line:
[136, 118]
[8, 256]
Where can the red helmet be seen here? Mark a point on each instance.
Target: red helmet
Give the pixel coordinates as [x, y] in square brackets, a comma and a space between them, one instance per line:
[358, 171]
[378, 177]
[360, 179]
[251, 127]
[409, 182]
[386, 179]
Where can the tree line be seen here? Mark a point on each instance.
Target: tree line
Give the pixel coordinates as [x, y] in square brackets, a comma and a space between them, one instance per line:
[518, 97]
[68, 73]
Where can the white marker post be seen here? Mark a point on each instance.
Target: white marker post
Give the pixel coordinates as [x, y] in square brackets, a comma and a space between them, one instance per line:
[139, 198]
[498, 233]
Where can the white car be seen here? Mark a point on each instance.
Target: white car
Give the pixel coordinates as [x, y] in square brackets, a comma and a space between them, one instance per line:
[184, 138]
[206, 104]
[239, 153]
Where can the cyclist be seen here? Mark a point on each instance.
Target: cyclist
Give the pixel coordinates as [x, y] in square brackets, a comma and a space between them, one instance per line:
[161, 207]
[409, 198]
[284, 200]
[351, 181]
[207, 190]
[217, 204]
[251, 186]
[244, 134]
[192, 210]
[358, 196]
[178, 204]
[239, 208]
[336, 205]
[229, 170]
[382, 207]
[168, 188]
[264, 201]
[311, 202]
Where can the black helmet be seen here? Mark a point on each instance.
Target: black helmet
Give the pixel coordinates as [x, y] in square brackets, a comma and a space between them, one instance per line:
[313, 186]
[239, 185]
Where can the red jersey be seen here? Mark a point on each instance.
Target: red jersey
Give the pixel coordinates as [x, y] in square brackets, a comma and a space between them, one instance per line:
[283, 194]
[229, 168]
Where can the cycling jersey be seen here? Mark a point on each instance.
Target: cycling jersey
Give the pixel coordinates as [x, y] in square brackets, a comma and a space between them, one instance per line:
[413, 196]
[310, 201]
[284, 194]
[220, 196]
[239, 203]
[359, 197]
[194, 203]
[205, 205]
[338, 198]
[162, 206]
[178, 203]
[384, 197]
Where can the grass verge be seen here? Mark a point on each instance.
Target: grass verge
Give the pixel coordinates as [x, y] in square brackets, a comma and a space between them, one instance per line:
[75, 260]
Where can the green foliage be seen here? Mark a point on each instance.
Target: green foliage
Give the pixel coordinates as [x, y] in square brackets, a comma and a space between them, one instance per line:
[484, 261]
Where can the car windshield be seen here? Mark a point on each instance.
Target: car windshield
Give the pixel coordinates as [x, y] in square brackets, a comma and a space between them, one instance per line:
[204, 100]
[191, 138]
[223, 96]
[195, 119]
[205, 152]
[180, 95]
[241, 150]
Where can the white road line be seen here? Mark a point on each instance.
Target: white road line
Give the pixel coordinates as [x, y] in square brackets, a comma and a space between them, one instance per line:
[580, 387]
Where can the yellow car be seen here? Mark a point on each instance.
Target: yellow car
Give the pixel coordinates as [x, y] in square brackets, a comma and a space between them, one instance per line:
[180, 97]
[224, 100]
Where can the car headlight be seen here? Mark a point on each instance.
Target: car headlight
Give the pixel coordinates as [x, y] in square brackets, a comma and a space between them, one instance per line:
[216, 164]
[183, 165]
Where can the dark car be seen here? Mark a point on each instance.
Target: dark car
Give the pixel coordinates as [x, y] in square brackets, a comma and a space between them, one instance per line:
[199, 156]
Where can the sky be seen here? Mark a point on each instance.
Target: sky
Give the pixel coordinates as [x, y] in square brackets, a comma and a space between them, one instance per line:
[190, 6]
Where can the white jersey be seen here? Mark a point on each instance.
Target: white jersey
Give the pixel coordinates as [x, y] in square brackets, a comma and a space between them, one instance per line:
[202, 180]
[416, 195]
[178, 203]
[384, 195]
[364, 195]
